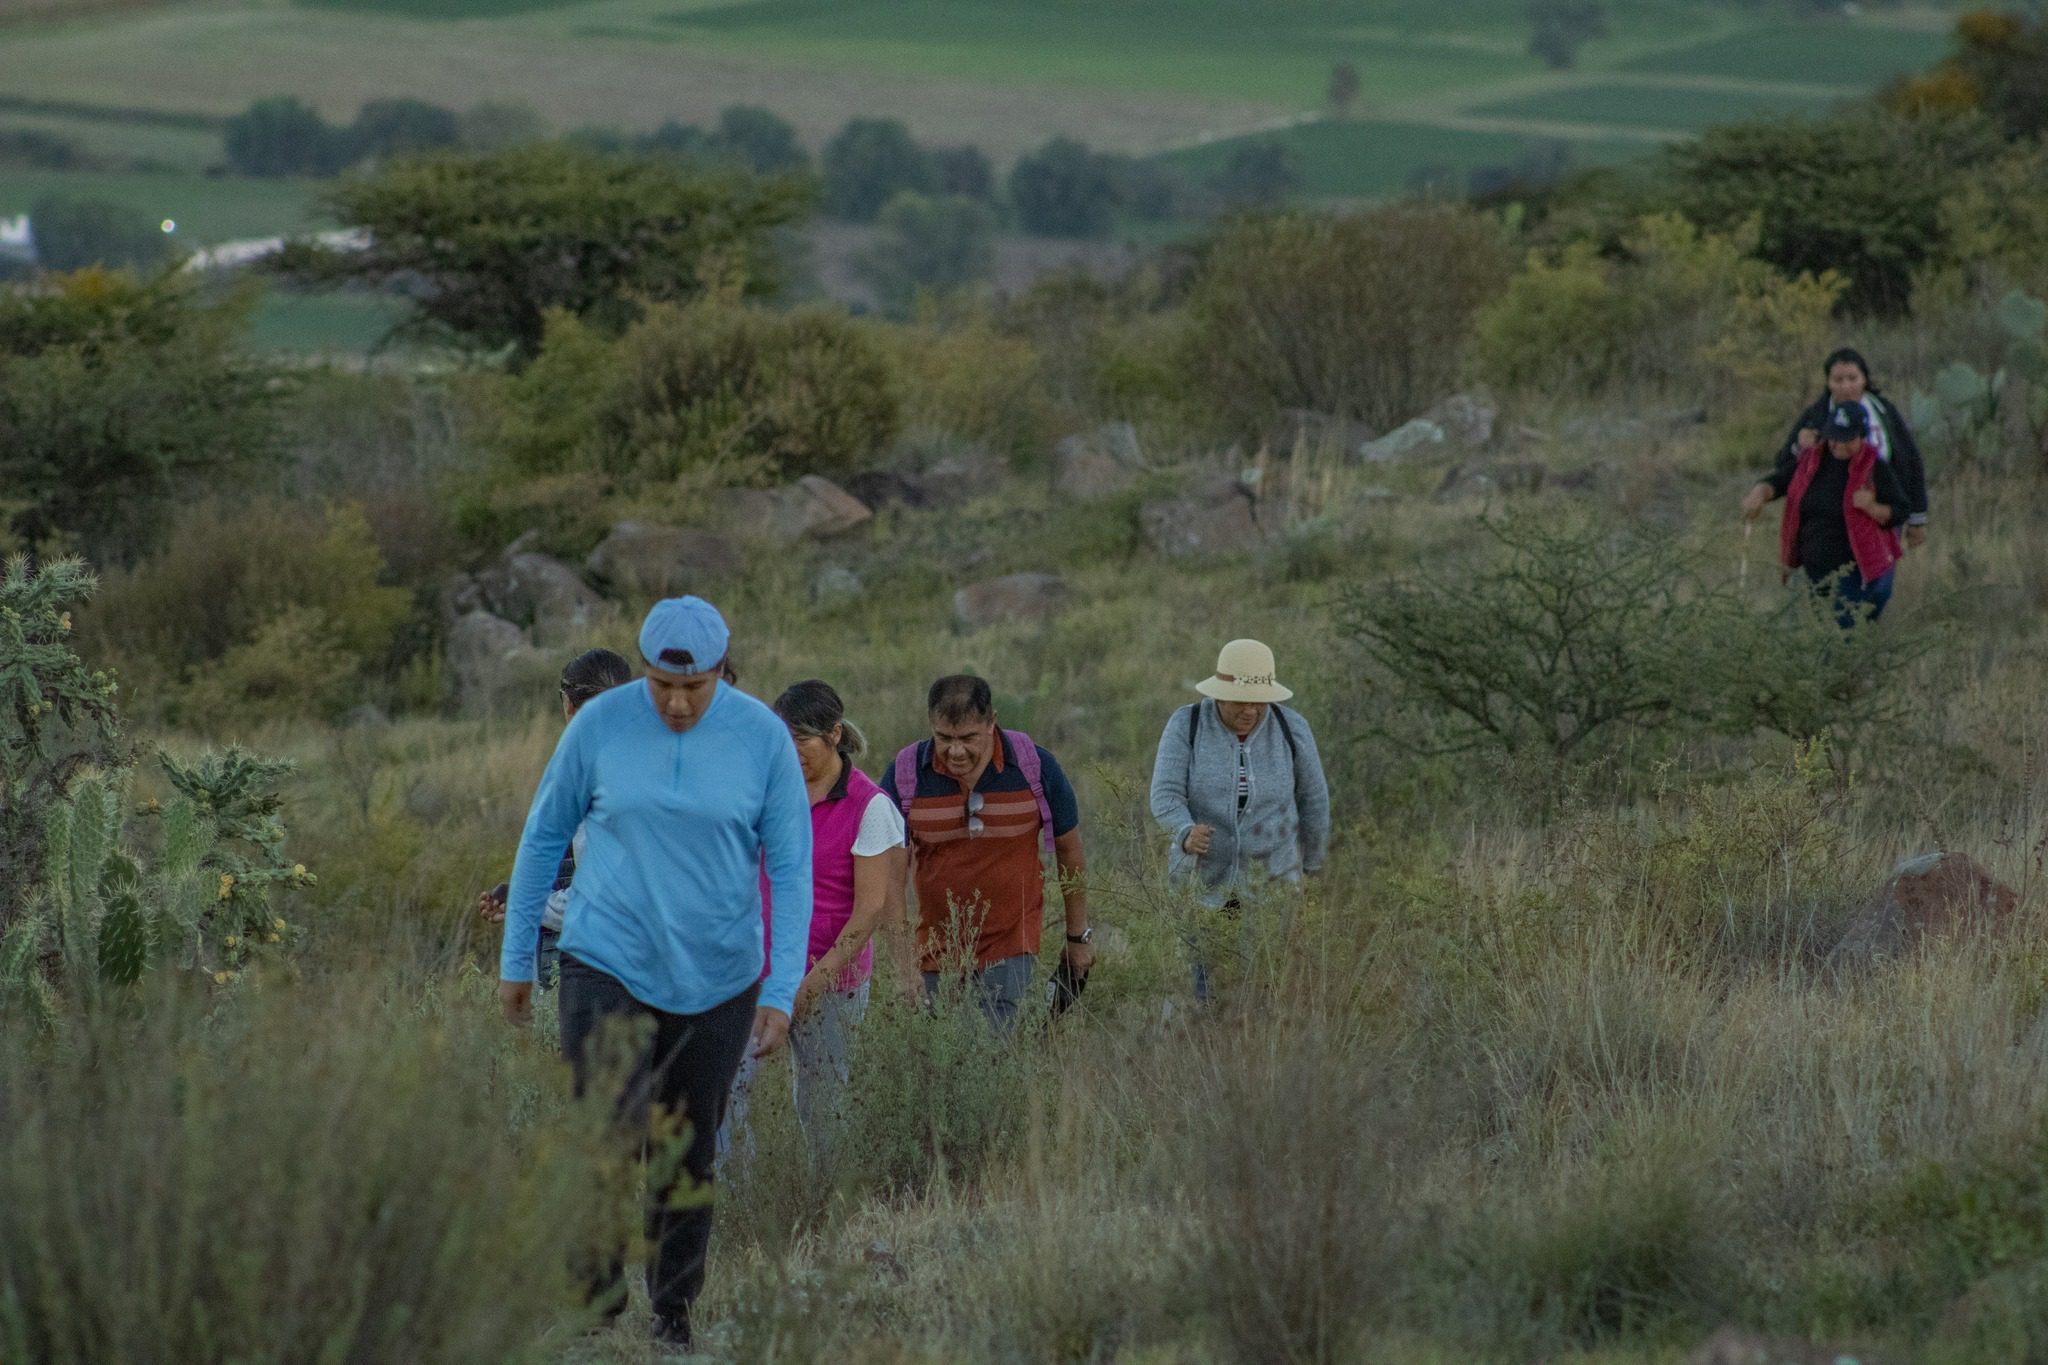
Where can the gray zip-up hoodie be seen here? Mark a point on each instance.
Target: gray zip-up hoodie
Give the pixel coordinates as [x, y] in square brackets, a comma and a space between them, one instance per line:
[1284, 829]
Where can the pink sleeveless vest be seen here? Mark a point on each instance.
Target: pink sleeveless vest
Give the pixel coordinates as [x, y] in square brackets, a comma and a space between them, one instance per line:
[834, 827]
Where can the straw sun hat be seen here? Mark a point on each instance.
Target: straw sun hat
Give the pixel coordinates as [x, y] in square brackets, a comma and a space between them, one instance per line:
[1244, 672]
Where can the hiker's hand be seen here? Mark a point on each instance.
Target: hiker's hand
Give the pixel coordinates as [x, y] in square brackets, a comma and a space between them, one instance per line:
[1864, 501]
[516, 999]
[1807, 437]
[1080, 957]
[1196, 840]
[1916, 536]
[771, 1028]
[814, 984]
[1753, 501]
[490, 909]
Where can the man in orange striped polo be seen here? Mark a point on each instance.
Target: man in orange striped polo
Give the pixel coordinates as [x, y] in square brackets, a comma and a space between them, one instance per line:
[982, 804]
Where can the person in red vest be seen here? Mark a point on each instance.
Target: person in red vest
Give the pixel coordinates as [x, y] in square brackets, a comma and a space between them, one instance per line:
[1842, 509]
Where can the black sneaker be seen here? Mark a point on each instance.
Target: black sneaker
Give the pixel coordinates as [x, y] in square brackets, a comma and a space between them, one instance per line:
[672, 1333]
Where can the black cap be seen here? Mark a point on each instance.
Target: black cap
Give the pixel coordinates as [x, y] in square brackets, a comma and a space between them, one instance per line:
[1848, 422]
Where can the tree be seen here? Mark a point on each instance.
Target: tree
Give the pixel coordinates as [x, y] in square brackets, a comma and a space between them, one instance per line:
[1063, 190]
[1146, 189]
[2005, 58]
[964, 170]
[497, 241]
[1561, 27]
[868, 163]
[115, 395]
[760, 139]
[1258, 175]
[71, 234]
[282, 135]
[939, 243]
[1861, 192]
[1343, 89]
[394, 127]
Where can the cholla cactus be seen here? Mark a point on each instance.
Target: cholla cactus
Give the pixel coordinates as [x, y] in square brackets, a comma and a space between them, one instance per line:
[80, 913]
[43, 684]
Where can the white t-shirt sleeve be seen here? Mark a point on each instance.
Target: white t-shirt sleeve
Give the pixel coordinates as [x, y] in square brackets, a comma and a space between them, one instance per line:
[881, 827]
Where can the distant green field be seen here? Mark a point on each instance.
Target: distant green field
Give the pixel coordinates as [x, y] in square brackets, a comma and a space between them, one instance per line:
[1370, 159]
[323, 324]
[1208, 47]
[1822, 52]
[206, 209]
[1643, 107]
[185, 148]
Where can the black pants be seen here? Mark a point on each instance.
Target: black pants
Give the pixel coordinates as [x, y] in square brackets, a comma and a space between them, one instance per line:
[680, 1068]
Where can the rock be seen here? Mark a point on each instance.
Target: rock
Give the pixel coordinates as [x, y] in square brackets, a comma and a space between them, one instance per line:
[812, 508]
[1734, 1346]
[962, 477]
[1466, 420]
[662, 561]
[1218, 517]
[1486, 478]
[543, 594]
[1410, 441]
[1098, 464]
[880, 488]
[460, 595]
[1932, 896]
[1634, 428]
[489, 658]
[1587, 479]
[835, 584]
[1013, 597]
[1299, 428]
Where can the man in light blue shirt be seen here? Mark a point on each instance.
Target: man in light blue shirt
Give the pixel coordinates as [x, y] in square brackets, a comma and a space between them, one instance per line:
[686, 790]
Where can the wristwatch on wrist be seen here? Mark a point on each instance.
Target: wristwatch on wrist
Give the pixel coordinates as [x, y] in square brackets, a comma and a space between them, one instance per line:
[1083, 936]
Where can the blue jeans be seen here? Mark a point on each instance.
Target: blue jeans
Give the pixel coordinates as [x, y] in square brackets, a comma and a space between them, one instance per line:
[1852, 594]
[999, 989]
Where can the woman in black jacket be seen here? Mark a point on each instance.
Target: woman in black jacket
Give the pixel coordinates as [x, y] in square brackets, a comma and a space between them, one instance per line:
[1848, 381]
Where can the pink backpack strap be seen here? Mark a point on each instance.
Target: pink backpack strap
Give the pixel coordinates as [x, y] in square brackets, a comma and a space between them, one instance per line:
[1026, 753]
[906, 777]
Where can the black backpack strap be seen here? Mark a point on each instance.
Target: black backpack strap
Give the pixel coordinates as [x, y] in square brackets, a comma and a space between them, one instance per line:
[1194, 723]
[1286, 732]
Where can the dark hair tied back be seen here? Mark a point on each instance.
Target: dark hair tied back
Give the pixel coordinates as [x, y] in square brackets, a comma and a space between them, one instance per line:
[813, 708]
[592, 672]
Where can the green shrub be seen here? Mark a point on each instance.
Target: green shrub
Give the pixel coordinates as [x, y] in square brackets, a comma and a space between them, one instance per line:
[712, 387]
[938, 1097]
[1629, 1249]
[1681, 312]
[1363, 316]
[1578, 635]
[341, 1171]
[964, 379]
[115, 396]
[285, 595]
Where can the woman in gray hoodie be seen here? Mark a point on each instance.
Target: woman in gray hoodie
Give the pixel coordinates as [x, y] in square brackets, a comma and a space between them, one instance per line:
[1238, 785]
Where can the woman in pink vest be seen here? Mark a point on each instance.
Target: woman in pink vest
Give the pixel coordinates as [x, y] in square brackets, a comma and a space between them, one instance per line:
[1842, 508]
[857, 863]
